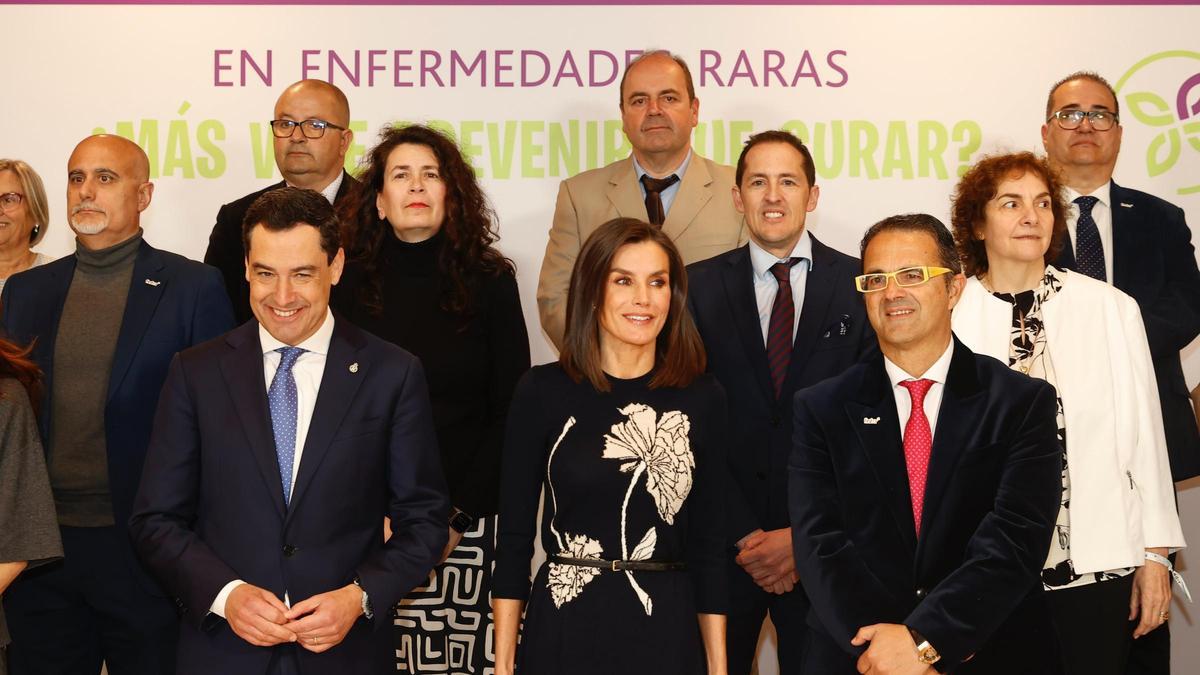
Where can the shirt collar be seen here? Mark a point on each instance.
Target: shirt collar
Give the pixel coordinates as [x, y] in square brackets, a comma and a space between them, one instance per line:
[317, 343]
[761, 261]
[330, 192]
[679, 171]
[937, 372]
[1103, 193]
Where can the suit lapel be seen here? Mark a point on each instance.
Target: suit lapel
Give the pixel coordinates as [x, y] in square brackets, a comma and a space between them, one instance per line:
[140, 304]
[339, 383]
[962, 404]
[624, 193]
[818, 292]
[1126, 244]
[695, 190]
[242, 369]
[743, 305]
[874, 420]
[49, 314]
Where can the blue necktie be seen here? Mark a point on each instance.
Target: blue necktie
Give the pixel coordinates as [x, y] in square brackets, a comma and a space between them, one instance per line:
[1089, 252]
[282, 399]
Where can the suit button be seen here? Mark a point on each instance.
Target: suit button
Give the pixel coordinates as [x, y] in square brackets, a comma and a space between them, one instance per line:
[921, 593]
[289, 550]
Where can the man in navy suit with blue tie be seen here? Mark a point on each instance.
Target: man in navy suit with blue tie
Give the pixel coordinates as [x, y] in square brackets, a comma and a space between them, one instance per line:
[1142, 245]
[104, 323]
[776, 315]
[277, 450]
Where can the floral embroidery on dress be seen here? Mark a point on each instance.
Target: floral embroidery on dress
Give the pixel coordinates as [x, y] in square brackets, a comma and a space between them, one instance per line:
[567, 581]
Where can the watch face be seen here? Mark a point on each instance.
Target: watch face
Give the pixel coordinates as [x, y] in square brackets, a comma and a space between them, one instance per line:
[461, 522]
[929, 655]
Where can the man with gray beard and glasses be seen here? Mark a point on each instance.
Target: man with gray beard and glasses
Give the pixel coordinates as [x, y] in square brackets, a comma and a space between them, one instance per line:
[104, 324]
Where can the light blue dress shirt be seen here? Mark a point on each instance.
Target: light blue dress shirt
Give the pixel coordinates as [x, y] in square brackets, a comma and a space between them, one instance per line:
[766, 287]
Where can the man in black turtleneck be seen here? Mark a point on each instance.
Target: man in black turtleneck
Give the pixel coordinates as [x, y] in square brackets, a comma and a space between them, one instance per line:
[105, 324]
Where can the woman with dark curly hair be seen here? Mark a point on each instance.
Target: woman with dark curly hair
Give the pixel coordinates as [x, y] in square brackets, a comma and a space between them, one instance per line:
[423, 273]
[1106, 577]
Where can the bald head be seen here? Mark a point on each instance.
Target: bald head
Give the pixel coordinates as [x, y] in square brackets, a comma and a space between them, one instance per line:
[108, 187]
[313, 163]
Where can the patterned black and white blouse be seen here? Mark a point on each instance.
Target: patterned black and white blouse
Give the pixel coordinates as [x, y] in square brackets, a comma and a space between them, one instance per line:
[1028, 353]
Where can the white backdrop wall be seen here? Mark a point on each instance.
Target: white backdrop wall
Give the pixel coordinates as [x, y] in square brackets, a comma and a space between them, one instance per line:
[894, 100]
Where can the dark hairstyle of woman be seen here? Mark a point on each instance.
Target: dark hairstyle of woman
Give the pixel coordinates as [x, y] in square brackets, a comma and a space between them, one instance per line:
[978, 186]
[679, 354]
[15, 363]
[469, 226]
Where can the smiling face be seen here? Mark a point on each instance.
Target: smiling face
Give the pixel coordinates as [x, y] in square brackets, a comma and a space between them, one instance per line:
[312, 163]
[413, 196]
[637, 297]
[1018, 222]
[915, 318]
[107, 189]
[1082, 147]
[656, 112]
[15, 224]
[775, 197]
[290, 279]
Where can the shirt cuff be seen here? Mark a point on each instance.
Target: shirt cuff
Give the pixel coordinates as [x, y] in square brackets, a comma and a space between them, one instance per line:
[218, 606]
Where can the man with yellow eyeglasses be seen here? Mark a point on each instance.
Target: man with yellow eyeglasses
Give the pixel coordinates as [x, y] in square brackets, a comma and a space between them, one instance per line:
[923, 485]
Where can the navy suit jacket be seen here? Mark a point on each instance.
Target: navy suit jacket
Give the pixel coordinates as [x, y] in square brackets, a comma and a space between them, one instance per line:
[227, 253]
[1154, 262]
[991, 499]
[211, 509]
[185, 306]
[832, 334]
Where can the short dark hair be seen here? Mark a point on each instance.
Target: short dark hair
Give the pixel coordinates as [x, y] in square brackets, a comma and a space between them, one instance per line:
[679, 355]
[776, 136]
[917, 222]
[1089, 75]
[687, 73]
[979, 186]
[288, 207]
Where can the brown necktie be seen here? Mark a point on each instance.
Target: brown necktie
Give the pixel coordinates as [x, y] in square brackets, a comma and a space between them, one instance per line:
[654, 188]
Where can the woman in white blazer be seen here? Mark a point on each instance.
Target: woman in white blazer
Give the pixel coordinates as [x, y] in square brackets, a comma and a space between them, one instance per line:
[1105, 578]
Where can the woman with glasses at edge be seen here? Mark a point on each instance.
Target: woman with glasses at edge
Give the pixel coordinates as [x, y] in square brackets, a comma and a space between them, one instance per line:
[624, 436]
[1106, 579]
[24, 216]
[424, 274]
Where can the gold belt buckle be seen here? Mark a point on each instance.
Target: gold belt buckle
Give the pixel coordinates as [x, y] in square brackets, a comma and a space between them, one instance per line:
[614, 565]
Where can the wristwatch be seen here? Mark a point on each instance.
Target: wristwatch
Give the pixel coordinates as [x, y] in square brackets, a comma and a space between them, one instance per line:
[926, 654]
[368, 614]
[460, 522]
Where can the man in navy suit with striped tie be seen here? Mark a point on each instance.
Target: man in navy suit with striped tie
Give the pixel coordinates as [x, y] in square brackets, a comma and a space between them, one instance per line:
[277, 450]
[776, 315]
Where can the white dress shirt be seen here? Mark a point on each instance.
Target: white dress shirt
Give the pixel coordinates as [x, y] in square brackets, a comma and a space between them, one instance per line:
[766, 287]
[933, 398]
[331, 190]
[1102, 214]
[307, 370]
[668, 195]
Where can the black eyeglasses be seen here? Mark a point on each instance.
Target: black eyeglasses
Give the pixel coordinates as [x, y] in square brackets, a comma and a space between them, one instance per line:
[1101, 120]
[312, 129]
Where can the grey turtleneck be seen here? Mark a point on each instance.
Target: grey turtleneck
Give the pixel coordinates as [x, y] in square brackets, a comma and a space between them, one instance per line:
[83, 355]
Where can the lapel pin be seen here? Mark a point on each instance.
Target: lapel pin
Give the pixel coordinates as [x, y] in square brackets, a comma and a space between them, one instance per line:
[151, 282]
[354, 367]
[870, 420]
[1126, 205]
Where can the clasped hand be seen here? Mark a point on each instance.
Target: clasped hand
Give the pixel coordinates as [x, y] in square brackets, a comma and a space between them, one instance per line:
[891, 651]
[768, 558]
[317, 624]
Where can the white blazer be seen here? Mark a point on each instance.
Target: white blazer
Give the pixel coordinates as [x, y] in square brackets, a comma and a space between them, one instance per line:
[1122, 498]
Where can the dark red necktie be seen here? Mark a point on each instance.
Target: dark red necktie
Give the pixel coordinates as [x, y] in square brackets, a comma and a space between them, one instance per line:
[779, 330]
[918, 445]
[654, 188]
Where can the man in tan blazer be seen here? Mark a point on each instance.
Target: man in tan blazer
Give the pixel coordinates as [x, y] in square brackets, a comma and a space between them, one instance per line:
[663, 182]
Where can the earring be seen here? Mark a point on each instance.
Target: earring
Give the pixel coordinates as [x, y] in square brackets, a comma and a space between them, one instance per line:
[33, 235]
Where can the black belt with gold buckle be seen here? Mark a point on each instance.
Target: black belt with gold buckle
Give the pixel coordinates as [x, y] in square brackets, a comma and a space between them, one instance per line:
[621, 565]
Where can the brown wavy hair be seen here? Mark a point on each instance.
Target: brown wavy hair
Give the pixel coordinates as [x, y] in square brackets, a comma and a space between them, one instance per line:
[15, 363]
[469, 227]
[679, 352]
[979, 185]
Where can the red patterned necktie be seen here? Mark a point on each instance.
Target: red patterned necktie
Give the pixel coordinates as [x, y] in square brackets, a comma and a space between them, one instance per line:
[779, 330]
[918, 445]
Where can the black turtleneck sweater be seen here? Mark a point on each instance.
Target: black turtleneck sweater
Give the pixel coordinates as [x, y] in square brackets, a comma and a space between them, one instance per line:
[83, 355]
[472, 365]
